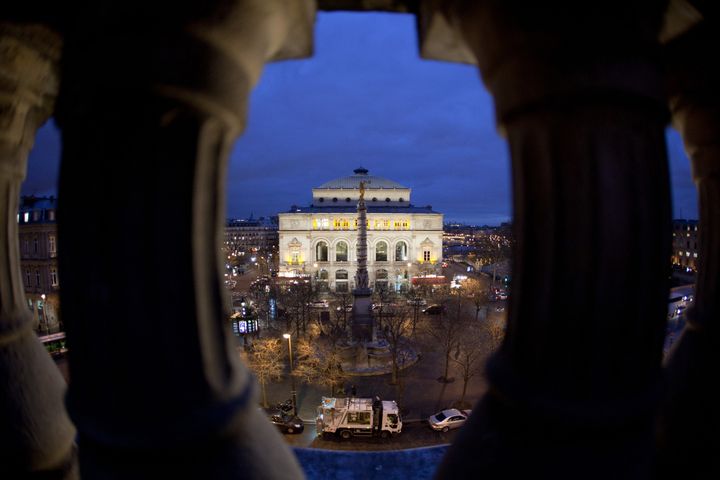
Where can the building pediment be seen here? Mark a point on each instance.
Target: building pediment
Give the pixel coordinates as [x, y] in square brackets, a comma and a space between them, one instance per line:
[427, 243]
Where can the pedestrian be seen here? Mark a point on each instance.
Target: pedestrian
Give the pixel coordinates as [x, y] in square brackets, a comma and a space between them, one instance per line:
[353, 391]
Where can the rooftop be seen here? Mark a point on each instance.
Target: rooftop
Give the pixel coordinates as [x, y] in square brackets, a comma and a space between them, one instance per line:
[370, 208]
[361, 175]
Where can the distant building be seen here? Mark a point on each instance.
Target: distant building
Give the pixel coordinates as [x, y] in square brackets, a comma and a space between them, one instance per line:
[404, 241]
[252, 235]
[37, 233]
[685, 243]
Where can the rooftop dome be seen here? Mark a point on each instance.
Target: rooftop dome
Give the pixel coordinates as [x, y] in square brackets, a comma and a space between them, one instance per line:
[361, 174]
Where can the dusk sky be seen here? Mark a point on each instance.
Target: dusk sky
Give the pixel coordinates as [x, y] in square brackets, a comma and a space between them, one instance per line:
[366, 99]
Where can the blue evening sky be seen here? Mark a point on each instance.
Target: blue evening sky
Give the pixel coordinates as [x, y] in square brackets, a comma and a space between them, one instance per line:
[366, 98]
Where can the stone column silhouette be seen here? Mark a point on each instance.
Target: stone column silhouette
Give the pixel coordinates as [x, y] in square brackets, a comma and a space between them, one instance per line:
[153, 97]
[690, 418]
[36, 436]
[575, 386]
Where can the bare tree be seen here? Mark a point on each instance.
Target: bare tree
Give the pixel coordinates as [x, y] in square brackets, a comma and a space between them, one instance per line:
[446, 331]
[265, 361]
[261, 293]
[342, 306]
[319, 362]
[398, 328]
[470, 357]
[415, 299]
[477, 292]
[383, 298]
[296, 299]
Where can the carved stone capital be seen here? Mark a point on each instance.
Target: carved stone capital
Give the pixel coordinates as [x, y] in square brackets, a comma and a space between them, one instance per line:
[538, 55]
[208, 57]
[29, 56]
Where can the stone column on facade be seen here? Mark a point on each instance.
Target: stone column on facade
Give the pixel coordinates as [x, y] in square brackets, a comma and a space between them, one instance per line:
[575, 385]
[150, 106]
[690, 419]
[36, 436]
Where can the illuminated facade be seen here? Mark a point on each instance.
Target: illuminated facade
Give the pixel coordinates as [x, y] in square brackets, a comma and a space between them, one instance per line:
[37, 235]
[685, 243]
[403, 240]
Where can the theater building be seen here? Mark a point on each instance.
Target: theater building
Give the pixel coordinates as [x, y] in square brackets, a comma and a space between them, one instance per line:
[404, 241]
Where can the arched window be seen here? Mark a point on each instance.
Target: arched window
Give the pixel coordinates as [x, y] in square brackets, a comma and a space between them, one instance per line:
[321, 252]
[321, 280]
[341, 281]
[381, 280]
[341, 252]
[401, 252]
[381, 252]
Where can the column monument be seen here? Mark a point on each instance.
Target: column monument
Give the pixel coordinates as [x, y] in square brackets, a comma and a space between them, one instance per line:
[362, 322]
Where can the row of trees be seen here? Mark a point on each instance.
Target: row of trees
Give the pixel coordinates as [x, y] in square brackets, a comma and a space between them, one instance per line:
[457, 333]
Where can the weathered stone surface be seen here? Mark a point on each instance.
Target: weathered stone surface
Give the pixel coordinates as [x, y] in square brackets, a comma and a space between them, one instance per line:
[36, 436]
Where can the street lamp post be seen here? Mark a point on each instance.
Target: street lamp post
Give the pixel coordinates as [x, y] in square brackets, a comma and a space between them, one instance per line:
[292, 377]
[44, 314]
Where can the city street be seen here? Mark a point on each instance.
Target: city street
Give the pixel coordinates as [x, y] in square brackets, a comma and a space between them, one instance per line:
[414, 434]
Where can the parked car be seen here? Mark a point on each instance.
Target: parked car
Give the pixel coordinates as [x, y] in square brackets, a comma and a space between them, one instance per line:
[448, 419]
[285, 422]
[433, 310]
[384, 309]
[319, 304]
[417, 301]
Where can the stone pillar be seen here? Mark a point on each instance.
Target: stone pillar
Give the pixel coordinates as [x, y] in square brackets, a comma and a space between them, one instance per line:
[690, 418]
[574, 387]
[150, 106]
[36, 436]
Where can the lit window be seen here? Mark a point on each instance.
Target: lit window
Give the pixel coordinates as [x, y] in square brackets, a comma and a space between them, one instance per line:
[401, 252]
[27, 217]
[321, 252]
[687, 254]
[695, 255]
[53, 277]
[341, 252]
[381, 251]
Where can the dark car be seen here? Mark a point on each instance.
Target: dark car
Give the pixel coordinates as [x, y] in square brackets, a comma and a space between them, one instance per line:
[286, 423]
[434, 310]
